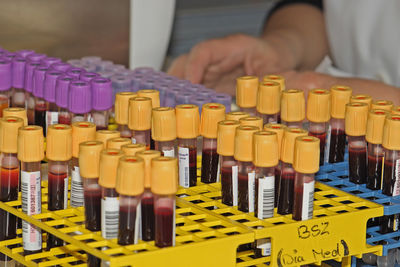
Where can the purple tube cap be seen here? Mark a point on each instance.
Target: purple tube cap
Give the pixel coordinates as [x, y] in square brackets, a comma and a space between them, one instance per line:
[5, 74]
[18, 72]
[79, 97]
[36, 57]
[10, 55]
[29, 69]
[91, 59]
[25, 52]
[38, 81]
[50, 61]
[61, 66]
[75, 72]
[144, 70]
[88, 76]
[101, 93]
[50, 85]
[62, 90]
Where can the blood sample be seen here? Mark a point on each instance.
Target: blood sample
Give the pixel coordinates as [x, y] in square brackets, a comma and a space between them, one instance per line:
[18, 78]
[28, 84]
[9, 178]
[269, 101]
[31, 153]
[16, 112]
[187, 131]
[286, 188]
[147, 204]
[319, 114]
[236, 115]
[50, 96]
[41, 105]
[79, 101]
[164, 184]
[292, 108]
[118, 142]
[122, 112]
[154, 95]
[163, 130]
[5, 83]
[362, 98]
[105, 135]
[101, 102]
[382, 104]
[62, 90]
[132, 149]
[252, 121]
[355, 126]
[212, 114]
[88, 76]
[81, 132]
[58, 153]
[89, 159]
[246, 94]
[139, 120]
[109, 159]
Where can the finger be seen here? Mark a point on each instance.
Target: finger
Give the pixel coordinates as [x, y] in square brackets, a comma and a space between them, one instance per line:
[228, 64]
[178, 66]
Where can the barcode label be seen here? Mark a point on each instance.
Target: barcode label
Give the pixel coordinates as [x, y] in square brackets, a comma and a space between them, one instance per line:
[327, 144]
[265, 198]
[308, 201]
[396, 188]
[183, 156]
[265, 246]
[109, 217]
[76, 188]
[251, 183]
[235, 189]
[66, 192]
[31, 204]
[51, 118]
[133, 139]
[169, 153]
[138, 224]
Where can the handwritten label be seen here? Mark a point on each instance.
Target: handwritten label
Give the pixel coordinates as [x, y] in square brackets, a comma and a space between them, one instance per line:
[321, 229]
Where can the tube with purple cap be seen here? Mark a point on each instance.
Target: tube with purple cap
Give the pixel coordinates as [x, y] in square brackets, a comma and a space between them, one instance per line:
[5, 83]
[105, 74]
[50, 61]
[91, 59]
[88, 76]
[200, 101]
[62, 89]
[184, 98]
[50, 96]
[10, 55]
[35, 57]
[120, 84]
[28, 84]
[101, 102]
[79, 101]
[25, 52]
[170, 96]
[223, 99]
[18, 77]
[104, 64]
[75, 72]
[61, 66]
[75, 62]
[38, 91]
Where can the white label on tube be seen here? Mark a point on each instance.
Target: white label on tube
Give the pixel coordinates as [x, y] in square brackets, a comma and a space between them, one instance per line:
[235, 185]
[308, 201]
[169, 153]
[31, 204]
[66, 192]
[133, 139]
[76, 188]
[251, 182]
[265, 246]
[396, 223]
[265, 198]
[218, 170]
[138, 224]
[396, 187]
[327, 145]
[109, 217]
[51, 118]
[183, 156]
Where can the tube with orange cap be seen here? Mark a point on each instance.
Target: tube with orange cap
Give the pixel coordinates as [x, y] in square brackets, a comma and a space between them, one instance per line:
[292, 108]
[132, 149]
[396, 110]
[269, 101]
[356, 127]
[9, 178]
[211, 114]
[286, 187]
[58, 153]
[319, 114]
[105, 135]
[382, 104]
[109, 159]
[243, 153]
[246, 93]
[154, 95]
[306, 164]
[16, 112]
[362, 98]
[229, 166]
[81, 132]
[236, 115]
[163, 130]
[139, 120]
[130, 186]
[187, 131]
[275, 78]
[164, 184]
[252, 121]
[31, 153]
[121, 112]
[118, 142]
[147, 203]
[391, 171]
[336, 139]
[279, 129]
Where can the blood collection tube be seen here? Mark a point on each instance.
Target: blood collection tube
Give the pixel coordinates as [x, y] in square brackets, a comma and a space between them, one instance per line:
[286, 187]
[58, 154]
[75, 72]
[187, 131]
[122, 112]
[9, 178]
[132, 149]
[147, 203]
[81, 132]
[130, 186]
[396, 110]
[264, 192]
[109, 159]
[319, 114]
[279, 129]
[5, 83]
[243, 154]
[382, 104]
[41, 106]
[25, 52]
[49, 61]
[50, 96]
[163, 130]
[362, 98]
[154, 95]
[105, 135]
[336, 140]
[306, 164]
[252, 121]
[79, 101]
[355, 127]
[61, 66]
[36, 57]
[223, 99]
[91, 59]
[246, 94]
[164, 184]
[62, 90]
[236, 115]
[28, 84]
[391, 177]
[101, 102]
[229, 166]
[89, 159]
[31, 153]
[139, 120]
[212, 114]
[88, 76]
[269, 101]
[118, 142]
[276, 78]
[16, 112]
[18, 78]
[292, 108]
